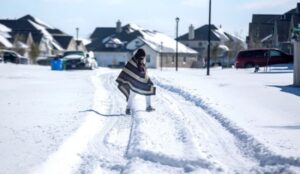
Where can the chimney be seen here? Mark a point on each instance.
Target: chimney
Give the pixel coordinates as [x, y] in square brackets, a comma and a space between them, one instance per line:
[191, 32]
[119, 27]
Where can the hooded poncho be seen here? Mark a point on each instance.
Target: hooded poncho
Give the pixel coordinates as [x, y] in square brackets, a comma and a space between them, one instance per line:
[134, 78]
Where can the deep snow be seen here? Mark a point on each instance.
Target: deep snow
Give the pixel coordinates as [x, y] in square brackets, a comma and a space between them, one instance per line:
[234, 121]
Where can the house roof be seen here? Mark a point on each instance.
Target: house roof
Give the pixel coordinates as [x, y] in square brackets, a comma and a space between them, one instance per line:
[37, 38]
[126, 35]
[265, 18]
[201, 34]
[22, 25]
[125, 41]
[98, 45]
[102, 32]
[55, 31]
[36, 20]
[102, 36]
[38, 29]
[64, 40]
[27, 17]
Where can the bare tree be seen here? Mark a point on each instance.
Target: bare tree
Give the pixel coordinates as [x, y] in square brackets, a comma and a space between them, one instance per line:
[214, 52]
[34, 52]
[16, 44]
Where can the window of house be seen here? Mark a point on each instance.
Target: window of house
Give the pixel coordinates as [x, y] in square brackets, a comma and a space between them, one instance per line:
[184, 60]
[200, 44]
[173, 59]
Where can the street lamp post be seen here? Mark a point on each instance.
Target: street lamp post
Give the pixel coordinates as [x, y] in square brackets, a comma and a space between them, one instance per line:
[209, 38]
[77, 31]
[176, 61]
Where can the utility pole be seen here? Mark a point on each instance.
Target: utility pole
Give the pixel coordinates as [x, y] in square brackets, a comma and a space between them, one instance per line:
[176, 61]
[209, 38]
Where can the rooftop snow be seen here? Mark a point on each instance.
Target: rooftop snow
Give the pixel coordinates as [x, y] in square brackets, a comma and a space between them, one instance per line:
[5, 42]
[267, 38]
[221, 34]
[46, 34]
[4, 29]
[43, 23]
[158, 41]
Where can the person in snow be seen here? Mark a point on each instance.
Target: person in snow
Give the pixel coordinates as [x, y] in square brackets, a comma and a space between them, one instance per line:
[134, 79]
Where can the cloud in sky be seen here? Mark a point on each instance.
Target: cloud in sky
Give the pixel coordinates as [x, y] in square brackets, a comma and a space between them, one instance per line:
[267, 4]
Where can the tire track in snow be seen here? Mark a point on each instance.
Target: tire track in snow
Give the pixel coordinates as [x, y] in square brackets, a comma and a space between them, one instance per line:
[90, 149]
[209, 136]
[67, 159]
[106, 153]
[161, 137]
[248, 144]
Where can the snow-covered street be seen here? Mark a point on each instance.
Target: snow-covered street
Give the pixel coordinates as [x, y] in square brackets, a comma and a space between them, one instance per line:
[234, 121]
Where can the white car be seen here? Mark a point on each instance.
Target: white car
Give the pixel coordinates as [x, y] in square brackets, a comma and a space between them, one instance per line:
[79, 60]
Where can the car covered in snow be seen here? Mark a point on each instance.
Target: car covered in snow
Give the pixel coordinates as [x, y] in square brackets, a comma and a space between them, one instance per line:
[79, 60]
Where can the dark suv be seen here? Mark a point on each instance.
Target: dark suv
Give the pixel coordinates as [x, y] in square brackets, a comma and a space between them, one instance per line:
[261, 57]
[13, 57]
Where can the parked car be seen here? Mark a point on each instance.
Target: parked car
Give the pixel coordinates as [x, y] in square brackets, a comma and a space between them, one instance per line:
[13, 57]
[261, 57]
[79, 60]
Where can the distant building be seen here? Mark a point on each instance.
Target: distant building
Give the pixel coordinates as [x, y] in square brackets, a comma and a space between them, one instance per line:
[114, 46]
[273, 30]
[221, 42]
[27, 30]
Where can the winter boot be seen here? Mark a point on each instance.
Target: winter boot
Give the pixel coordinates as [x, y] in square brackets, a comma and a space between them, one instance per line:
[150, 108]
[128, 112]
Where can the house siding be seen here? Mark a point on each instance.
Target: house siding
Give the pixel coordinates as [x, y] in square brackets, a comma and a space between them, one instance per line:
[105, 59]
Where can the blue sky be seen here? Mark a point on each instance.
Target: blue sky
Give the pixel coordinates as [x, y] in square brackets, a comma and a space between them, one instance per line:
[233, 15]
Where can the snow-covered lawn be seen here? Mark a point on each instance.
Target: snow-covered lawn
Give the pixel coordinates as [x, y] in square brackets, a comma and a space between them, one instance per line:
[234, 121]
[39, 109]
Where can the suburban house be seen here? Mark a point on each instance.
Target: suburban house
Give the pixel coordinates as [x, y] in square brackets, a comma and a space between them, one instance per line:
[28, 31]
[273, 30]
[66, 41]
[221, 42]
[114, 46]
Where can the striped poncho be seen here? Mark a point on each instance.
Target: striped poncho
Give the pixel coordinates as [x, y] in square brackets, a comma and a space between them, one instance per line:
[132, 79]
